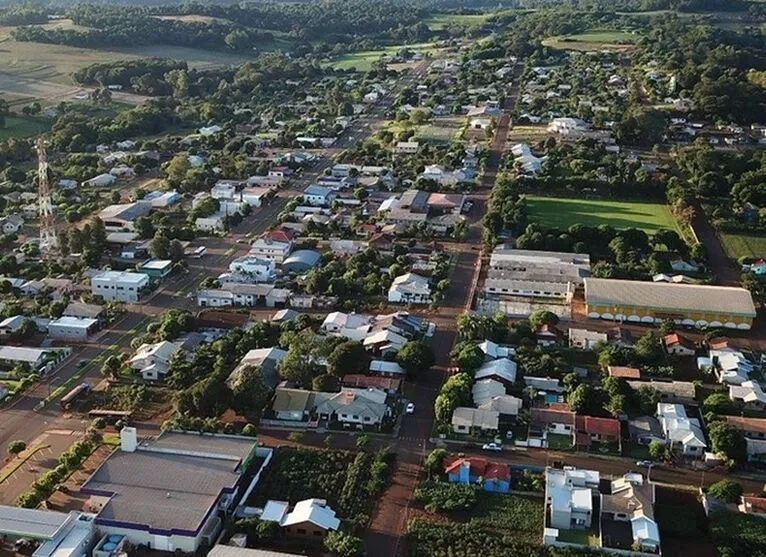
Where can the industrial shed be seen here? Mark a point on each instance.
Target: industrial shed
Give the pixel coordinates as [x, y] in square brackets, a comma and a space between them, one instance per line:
[686, 304]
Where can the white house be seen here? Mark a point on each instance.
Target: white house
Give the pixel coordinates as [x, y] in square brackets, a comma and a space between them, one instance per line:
[410, 289]
[12, 223]
[100, 181]
[72, 328]
[631, 499]
[270, 249]
[213, 223]
[350, 325]
[153, 360]
[569, 497]
[119, 286]
[681, 432]
[256, 269]
[750, 394]
[407, 147]
[502, 369]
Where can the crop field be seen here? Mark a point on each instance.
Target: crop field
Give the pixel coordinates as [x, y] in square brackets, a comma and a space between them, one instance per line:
[362, 61]
[560, 212]
[743, 245]
[595, 39]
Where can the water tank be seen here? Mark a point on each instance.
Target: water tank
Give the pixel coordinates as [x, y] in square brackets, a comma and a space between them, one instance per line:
[109, 546]
[115, 538]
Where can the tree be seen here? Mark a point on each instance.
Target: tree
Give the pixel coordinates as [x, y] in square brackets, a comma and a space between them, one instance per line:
[647, 398]
[299, 365]
[362, 441]
[176, 251]
[719, 403]
[343, 545]
[728, 441]
[416, 355]
[469, 357]
[251, 393]
[585, 399]
[347, 358]
[116, 196]
[435, 462]
[543, 317]
[658, 450]
[726, 491]
[111, 366]
[160, 246]
[649, 348]
[16, 447]
[237, 40]
[326, 383]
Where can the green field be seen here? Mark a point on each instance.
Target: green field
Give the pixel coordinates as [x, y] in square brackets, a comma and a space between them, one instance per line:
[362, 61]
[441, 21]
[21, 126]
[596, 38]
[560, 212]
[743, 245]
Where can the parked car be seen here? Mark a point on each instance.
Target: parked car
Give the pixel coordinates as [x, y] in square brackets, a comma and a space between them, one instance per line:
[410, 408]
[645, 463]
[492, 447]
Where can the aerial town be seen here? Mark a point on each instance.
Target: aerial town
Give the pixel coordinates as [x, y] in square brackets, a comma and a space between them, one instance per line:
[365, 278]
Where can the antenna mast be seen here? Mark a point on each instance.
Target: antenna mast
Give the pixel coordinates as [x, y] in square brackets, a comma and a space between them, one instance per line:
[49, 242]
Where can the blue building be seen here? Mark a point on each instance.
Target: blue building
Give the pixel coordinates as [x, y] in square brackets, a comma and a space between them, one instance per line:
[473, 470]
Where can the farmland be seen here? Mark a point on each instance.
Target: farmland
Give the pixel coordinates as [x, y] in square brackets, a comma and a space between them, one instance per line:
[595, 39]
[362, 61]
[559, 212]
[743, 245]
[20, 126]
[442, 21]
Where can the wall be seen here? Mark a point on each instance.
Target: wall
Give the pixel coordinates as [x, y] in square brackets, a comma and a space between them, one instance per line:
[648, 315]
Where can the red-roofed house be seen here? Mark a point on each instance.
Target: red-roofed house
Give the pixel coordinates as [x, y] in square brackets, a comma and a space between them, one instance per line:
[472, 470]
[279, 235]
[381, 241]
[548, 335]
[753, 428]
[678, 345]
[596, 430]
[624, 372]
[753, 505]
[547, 421]
[718, 343]
[388, 384]
[366, 230]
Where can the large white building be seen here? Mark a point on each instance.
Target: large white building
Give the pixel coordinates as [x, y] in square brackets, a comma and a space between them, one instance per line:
[119, 286]
[681, 432]
[569, 496]
[410, 289]
[535, 274]
[271, 249]
[256, 269]
[72, 328]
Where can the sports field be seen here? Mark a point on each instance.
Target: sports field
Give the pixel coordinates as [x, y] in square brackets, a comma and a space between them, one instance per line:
[560, 212]
[743, 245]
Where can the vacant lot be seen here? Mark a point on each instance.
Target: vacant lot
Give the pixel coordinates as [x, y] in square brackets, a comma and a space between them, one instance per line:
[559, 212]
[683, 524]
[743, 245]
[441, 130]
[594, 40]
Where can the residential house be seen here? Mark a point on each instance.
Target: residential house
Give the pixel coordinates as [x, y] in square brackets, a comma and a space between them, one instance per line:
[384, 343]
[729, 365]
[467, 420]
[546, 421]
[543, 384]
[119, 286]
[753, 505]
[390, 385]
[751, 428]
[350, 325]
[265, 359]
[645, 429]
[750, 394]
[493, 351]
[569, 497]
[410, 289]
[85, 311]
[624, 372]
[213, 223]
[678, 345]
[631, 500]
[319, 196]
[502, 369]
[11, 224]
[153, 360]
[407, 147]
[310, 519]
[358, 407]
[548, 335]
[492, 476]
[11, 325]
[121, 216]
[681, 432]
[583, 339]
[676, 392]
[590, 429]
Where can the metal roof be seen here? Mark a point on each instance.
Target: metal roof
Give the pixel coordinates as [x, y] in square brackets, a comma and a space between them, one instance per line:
[669, 297]
[31, 523]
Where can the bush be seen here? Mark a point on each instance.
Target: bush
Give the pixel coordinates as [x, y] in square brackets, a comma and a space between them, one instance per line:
[446, 497]
[16, 447]
[726, 490]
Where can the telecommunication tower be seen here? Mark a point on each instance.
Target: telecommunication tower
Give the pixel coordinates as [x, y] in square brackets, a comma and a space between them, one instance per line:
[49, 242]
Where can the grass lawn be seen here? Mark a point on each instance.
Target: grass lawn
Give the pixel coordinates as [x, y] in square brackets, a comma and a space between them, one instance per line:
[558, 442]
[521, 514]
[580, 537]
[440, 21]
[21, 126]
[561, 212]
[362, 61]
[441, 130]
[747, 245]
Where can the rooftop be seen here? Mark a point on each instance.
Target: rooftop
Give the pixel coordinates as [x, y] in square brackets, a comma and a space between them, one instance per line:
[122, 276]
[31, 523]
[669, 296]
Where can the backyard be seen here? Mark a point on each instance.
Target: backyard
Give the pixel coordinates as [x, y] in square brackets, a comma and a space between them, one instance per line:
[560, 212]
[743, 245]
[682, 522]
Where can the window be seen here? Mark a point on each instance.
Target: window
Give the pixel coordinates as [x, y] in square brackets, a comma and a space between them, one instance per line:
[301, 531]
[355, 417]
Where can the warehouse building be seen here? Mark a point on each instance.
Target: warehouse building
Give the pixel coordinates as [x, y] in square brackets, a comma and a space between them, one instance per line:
[59, 534]
[172, 493]
[72, 328]
[535, 274]
[652, 302]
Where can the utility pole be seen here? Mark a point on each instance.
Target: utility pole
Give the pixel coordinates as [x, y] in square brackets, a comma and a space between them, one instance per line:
[49, 242]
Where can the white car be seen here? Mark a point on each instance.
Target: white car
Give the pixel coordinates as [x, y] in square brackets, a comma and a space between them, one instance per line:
[410, 408]
[492, 447]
